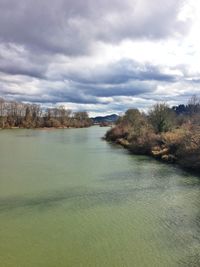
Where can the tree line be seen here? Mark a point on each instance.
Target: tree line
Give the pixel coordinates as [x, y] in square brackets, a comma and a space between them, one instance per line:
[169, 134]
[23, 115]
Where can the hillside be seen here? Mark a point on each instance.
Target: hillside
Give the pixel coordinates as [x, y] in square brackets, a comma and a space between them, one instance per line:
[105, 119]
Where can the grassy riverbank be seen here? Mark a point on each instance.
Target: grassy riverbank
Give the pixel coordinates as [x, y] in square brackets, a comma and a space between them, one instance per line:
[164, 133]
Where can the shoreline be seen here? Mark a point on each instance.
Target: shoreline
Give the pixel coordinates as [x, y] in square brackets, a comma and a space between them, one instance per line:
[162, 155]
[44, 128]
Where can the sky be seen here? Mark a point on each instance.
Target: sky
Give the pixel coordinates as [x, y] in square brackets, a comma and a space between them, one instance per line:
[100, 56]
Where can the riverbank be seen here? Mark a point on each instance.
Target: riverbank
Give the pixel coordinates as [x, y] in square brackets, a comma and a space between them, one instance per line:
[161, 153]
[31, 116]
[44, 128]
[179, 144]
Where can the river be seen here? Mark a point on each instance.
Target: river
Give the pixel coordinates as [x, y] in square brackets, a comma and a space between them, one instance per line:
[68, 198]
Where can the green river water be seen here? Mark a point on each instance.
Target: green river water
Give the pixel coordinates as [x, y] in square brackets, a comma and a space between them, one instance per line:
[68, 198]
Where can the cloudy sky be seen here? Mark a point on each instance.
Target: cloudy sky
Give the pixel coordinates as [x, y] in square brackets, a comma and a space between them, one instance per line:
[103, 56]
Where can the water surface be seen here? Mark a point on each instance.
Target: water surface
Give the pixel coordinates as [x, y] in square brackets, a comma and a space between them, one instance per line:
[67, 198]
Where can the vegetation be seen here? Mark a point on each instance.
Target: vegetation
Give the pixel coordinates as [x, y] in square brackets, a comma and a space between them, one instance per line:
[169, 134]
[15, 114]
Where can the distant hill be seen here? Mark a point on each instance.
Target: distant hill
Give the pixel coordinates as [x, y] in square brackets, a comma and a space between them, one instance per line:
[103, 119]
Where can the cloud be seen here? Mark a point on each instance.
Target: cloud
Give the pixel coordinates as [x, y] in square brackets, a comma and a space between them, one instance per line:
[72, 27]
[14, 59]
[114, 87]
[118, 72]
[96, 55]
[91, 85]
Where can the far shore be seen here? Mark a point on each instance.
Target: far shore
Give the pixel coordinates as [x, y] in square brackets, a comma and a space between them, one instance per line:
[51, 128]
[42, 128]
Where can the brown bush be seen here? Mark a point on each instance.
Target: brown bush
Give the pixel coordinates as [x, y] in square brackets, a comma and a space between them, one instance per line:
[189, 150]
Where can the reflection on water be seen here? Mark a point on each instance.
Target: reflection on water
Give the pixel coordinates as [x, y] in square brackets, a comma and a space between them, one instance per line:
[67, 198]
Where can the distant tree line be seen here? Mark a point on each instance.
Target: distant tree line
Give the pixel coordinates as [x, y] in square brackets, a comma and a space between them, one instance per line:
[169, 134]
[192, 108]
[17, 114]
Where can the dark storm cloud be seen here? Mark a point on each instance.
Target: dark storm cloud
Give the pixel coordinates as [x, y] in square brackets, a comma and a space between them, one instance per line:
[120, 90]
[121, 78]
[71, 27]
[16, 60]
[53, 99]
[121, 72]
[32, 72]
[92, 85]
